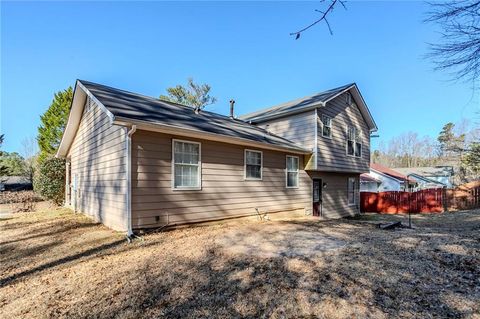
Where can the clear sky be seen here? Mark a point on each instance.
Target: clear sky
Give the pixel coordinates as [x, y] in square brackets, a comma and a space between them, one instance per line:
[243, 49]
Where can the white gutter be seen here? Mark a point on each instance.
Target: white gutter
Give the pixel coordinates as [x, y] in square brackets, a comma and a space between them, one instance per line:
[128, 151]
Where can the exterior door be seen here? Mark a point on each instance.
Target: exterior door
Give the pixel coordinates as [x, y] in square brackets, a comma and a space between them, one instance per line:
[317, 197]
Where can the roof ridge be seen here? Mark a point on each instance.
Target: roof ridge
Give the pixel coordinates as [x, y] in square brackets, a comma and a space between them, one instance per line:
[240, 121]
[277, 106]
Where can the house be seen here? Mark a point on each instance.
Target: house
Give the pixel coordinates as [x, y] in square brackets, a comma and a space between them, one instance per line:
[15, 183]
[441, 176]
[386, 179]
[369, 183]
[138, 162]
[423, 182]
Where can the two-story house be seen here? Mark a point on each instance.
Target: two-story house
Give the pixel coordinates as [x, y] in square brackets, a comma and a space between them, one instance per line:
[138, 162]
[336, 125]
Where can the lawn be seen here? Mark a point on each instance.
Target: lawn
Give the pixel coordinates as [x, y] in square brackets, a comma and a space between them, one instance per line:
[58, 264]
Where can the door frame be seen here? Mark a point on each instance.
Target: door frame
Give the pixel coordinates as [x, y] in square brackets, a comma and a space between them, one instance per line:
[320, 197]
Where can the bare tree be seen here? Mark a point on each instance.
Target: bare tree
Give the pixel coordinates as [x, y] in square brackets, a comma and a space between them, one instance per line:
[459, 50]
[29, 153]
[323, 17]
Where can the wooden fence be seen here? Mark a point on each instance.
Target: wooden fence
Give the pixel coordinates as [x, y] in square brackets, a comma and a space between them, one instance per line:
[423, 201]
[463, 198]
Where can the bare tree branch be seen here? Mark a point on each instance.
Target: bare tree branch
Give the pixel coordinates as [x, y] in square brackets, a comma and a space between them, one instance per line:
[323, 17]
[459, 51]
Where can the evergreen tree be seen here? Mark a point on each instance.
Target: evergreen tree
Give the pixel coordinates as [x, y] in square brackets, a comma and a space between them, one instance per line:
[471, 161]
[53, 123]
[451, 145]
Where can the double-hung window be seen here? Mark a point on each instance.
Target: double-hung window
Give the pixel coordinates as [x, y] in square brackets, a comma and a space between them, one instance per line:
[351, 191]
[354, 144]
[253, 164]
[186, 165]
[326, 126]
[292, 171]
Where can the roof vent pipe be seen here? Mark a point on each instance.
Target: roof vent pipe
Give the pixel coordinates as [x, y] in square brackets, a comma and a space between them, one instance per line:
[232, 103]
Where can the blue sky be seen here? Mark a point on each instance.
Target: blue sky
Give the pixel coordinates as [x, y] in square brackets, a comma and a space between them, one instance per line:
[243, 49]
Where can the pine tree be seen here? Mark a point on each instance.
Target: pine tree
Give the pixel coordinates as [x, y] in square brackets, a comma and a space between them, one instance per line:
[53, 123]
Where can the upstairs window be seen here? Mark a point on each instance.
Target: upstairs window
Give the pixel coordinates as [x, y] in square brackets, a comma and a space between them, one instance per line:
[354, 145]
[351, 191]
[253, 165]
[326, 126]
[186, 165]
[292, 171]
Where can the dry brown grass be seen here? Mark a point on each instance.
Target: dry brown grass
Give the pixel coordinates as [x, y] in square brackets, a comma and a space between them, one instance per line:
[56, 264]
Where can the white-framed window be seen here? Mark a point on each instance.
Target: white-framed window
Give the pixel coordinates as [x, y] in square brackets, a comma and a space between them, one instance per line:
[186, 165]
[292, 171]
[354, 144]
[253, 164]
[326, 126]
[351, 191]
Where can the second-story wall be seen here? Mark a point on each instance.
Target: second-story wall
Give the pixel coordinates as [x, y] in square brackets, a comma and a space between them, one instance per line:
[299, 128]
[332, 151]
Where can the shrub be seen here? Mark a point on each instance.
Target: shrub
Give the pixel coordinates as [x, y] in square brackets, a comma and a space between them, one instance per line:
[49, 180]
[22, 201]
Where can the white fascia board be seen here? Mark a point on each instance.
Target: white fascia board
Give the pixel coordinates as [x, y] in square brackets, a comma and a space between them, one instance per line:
[80, 94]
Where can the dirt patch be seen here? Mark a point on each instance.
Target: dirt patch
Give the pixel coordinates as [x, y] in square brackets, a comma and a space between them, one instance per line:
[56, 264]
[269, 240]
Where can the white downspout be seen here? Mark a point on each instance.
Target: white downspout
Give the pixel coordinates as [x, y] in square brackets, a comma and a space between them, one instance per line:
[129, 178]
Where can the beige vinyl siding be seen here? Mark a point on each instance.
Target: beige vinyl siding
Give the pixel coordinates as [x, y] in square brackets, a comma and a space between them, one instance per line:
[224, 192]
[335, 194]
[97, 157]
[297, 128]
[332, 152]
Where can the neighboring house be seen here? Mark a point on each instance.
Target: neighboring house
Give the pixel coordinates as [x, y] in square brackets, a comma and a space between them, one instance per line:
[368, 183]
[15, 183]
[425, 182]
[390, 180]
[138, 162]
[441, 174]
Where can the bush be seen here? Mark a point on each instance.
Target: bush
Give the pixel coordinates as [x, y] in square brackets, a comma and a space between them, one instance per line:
[49, 180]
[22, 201]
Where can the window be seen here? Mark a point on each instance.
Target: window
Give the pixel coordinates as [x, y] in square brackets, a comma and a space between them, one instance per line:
[292, 171]
[253, 164]
[354, 145]
[326, 126]
[351, 192]
[186, 165]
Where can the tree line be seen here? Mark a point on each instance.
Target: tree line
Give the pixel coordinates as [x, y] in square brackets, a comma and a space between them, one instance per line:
[457, 145]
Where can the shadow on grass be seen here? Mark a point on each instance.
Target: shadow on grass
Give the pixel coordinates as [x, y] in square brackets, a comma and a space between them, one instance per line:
[58, 262]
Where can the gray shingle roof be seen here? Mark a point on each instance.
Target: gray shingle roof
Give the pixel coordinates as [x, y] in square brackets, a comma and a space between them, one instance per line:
[298, 104]
[132, 106]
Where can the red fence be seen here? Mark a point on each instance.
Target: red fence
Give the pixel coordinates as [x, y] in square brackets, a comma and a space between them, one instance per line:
[423, 201]
[463, 198]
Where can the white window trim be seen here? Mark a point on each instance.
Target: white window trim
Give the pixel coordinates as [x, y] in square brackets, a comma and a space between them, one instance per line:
[321, 121]
[286, 171]
[354, 192]
[245, 165]
[354, 143]
[180, 188]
